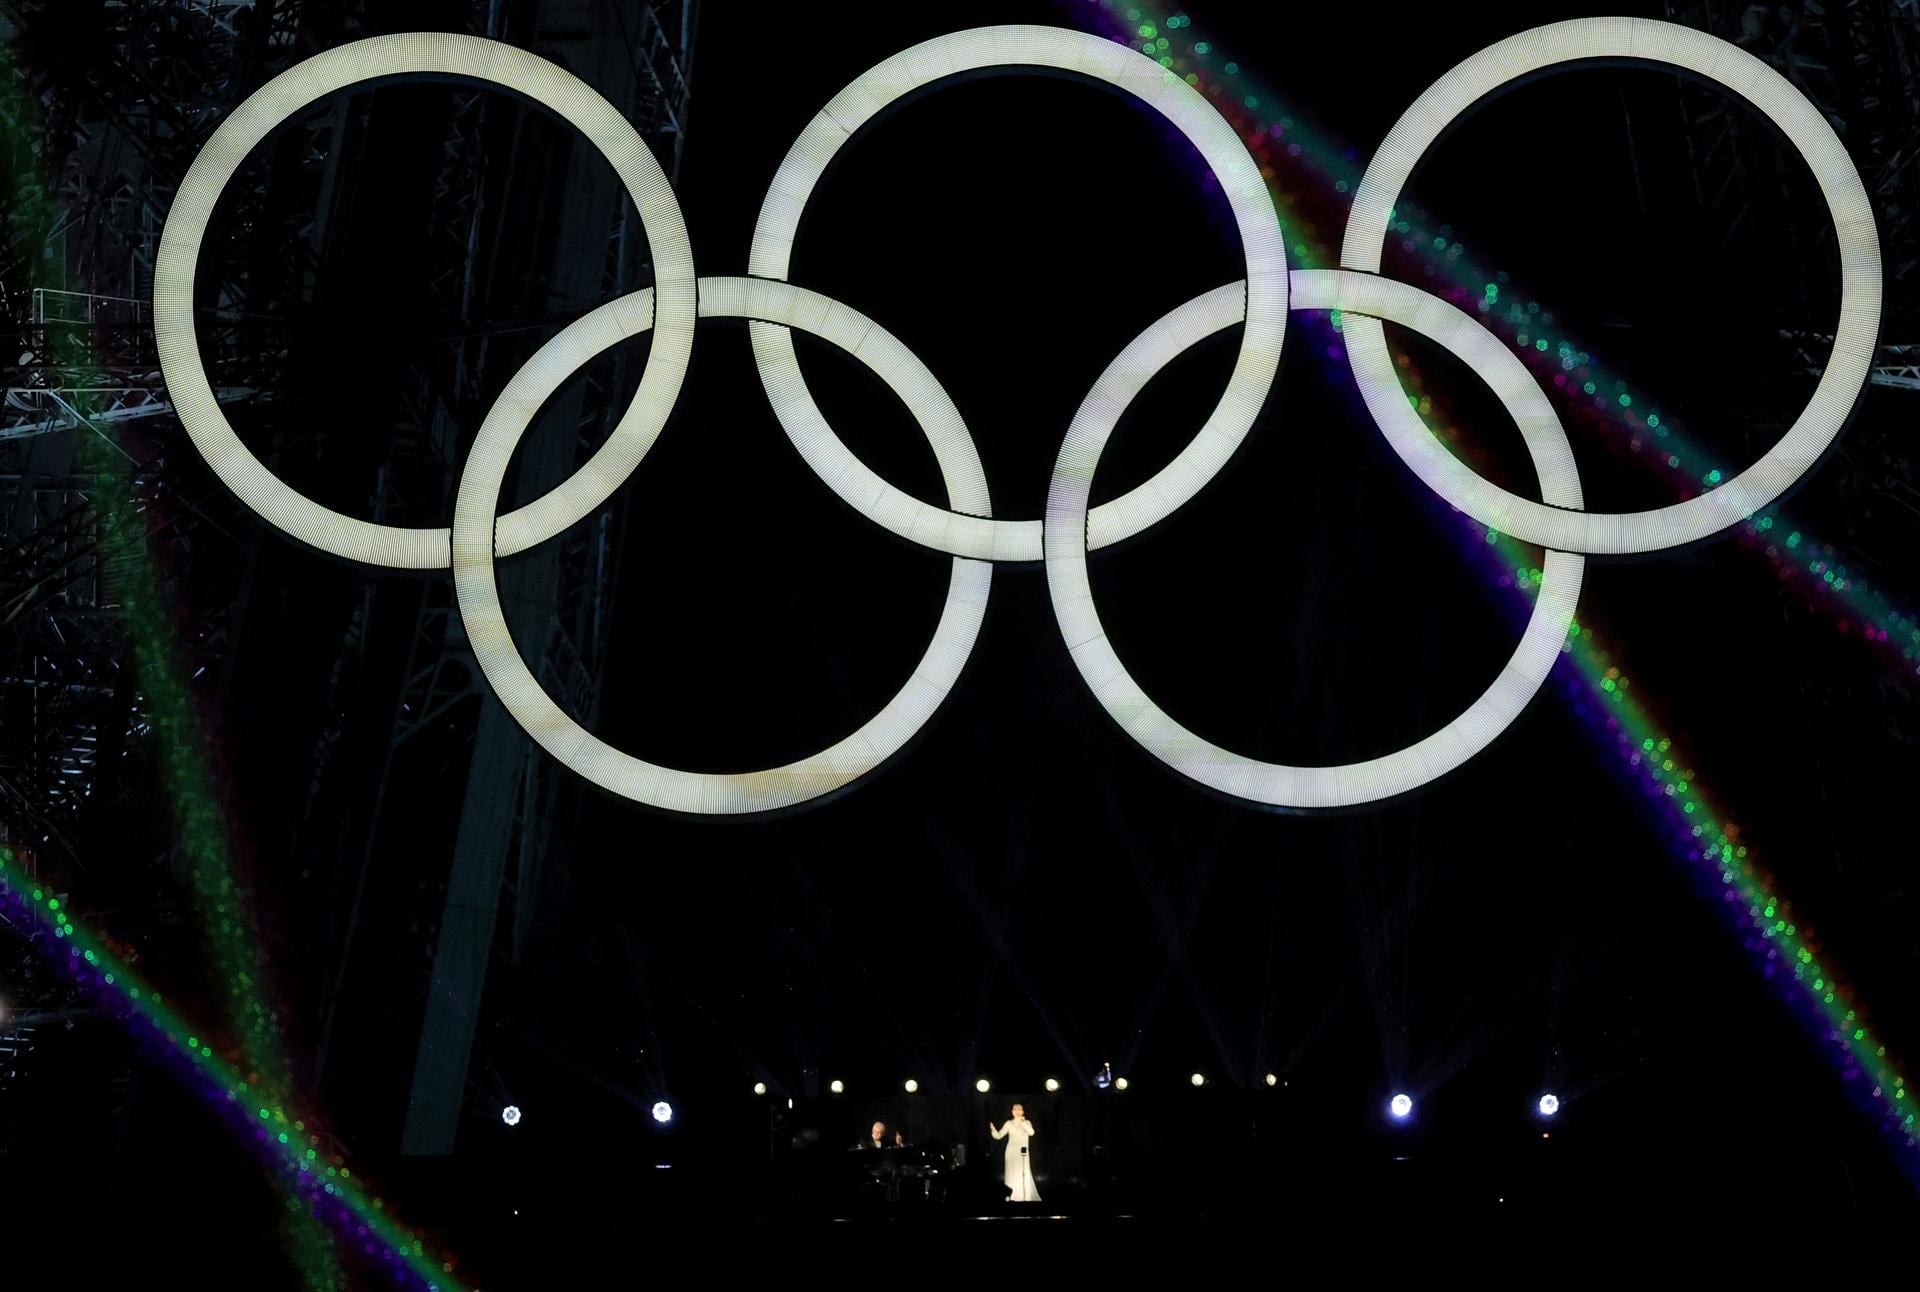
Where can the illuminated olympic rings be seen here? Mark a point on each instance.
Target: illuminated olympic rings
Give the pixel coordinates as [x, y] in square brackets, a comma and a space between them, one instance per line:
[965, 527]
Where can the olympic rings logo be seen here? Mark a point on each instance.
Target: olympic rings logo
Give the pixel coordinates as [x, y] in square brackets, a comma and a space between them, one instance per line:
[965, 527]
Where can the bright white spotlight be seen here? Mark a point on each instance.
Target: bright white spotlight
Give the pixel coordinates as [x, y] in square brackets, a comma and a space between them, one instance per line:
[1401, 1107]
[1272, 1080]
[838, 1087]
[663, 1112]
[759, 1087]
[913, 1086]
[1549, 1105]
[1053, 1087]
[1198, 1079]
[983, 1085]
[510, 1115]
[1119, 1083]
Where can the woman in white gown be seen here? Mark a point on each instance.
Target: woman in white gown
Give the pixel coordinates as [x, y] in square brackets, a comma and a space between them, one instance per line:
[1016, 1133]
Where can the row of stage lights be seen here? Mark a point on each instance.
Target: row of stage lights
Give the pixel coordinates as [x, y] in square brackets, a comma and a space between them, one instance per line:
[983, 1085]
[662, 1113]
[1400, 1107]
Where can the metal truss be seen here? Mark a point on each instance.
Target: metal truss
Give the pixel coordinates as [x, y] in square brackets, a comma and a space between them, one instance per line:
[160, 75]
[511, 822]
[1896, 367]
[119, 381]
[1858, 61]
[114, 142]
[1899, 367]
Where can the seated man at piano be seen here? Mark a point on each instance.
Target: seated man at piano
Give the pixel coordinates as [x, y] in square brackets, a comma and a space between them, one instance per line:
[876, 1137]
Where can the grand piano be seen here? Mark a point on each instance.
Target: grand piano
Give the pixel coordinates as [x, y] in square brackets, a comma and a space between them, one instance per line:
[910, 1172]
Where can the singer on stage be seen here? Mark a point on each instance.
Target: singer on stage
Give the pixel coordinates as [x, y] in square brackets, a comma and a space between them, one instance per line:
[1017, 1132]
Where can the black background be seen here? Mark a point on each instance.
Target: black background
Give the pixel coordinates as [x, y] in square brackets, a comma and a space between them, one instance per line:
[1023, 893]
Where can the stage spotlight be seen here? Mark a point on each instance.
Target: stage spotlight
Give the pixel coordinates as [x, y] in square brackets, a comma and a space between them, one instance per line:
[913, 1086]
[1053, 1087]
[983, 1085]
[759, 1087]
[838, 1088]
[1272, 1080]
[1549, 1105]
[1401, 1107]
[1198, 1080]
[663, 1112]
[1119, 1083]
[510, 1115]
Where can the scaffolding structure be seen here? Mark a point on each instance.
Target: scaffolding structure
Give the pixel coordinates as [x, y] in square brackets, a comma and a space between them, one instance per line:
[1858, 63]
[122, 112]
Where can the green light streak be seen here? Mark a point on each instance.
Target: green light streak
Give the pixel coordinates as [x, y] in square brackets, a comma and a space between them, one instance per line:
[1745, 884]
[199, 821]
[1711, 838]
[292, 1142]
[1274, 133]
[1702, 834]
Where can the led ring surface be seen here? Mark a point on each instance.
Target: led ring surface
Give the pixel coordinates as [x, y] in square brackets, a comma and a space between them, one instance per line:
[1277, 784]
[965, 527]
[1840, 382]
[478, 500]
[1265, 307]
[432, 54]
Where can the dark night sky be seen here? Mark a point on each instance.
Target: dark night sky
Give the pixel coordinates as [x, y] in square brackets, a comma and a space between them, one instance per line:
[1023, 891]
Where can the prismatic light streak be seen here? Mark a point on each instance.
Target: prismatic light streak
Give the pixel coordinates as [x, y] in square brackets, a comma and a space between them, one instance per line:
[1713, 846]
[1700, 835]
[1283, 141]
[290, 1144]
[223, 902]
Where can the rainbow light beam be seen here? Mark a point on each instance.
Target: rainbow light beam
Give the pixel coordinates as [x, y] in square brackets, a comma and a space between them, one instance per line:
[290, 1145]
[199, 818]
[1698, 834]
[1280, 140]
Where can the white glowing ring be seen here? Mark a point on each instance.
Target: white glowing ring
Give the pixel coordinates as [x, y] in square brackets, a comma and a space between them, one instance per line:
[1265, 308]
[1274, 784]
[432, 54]
[1853, 344]
[965, 527]
[622, 773]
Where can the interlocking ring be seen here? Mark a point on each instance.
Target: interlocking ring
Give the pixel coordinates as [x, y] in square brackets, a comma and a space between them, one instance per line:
[1642, 40]
[420, 54]
[1100, 60]
[966, 528]
[478, 502]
